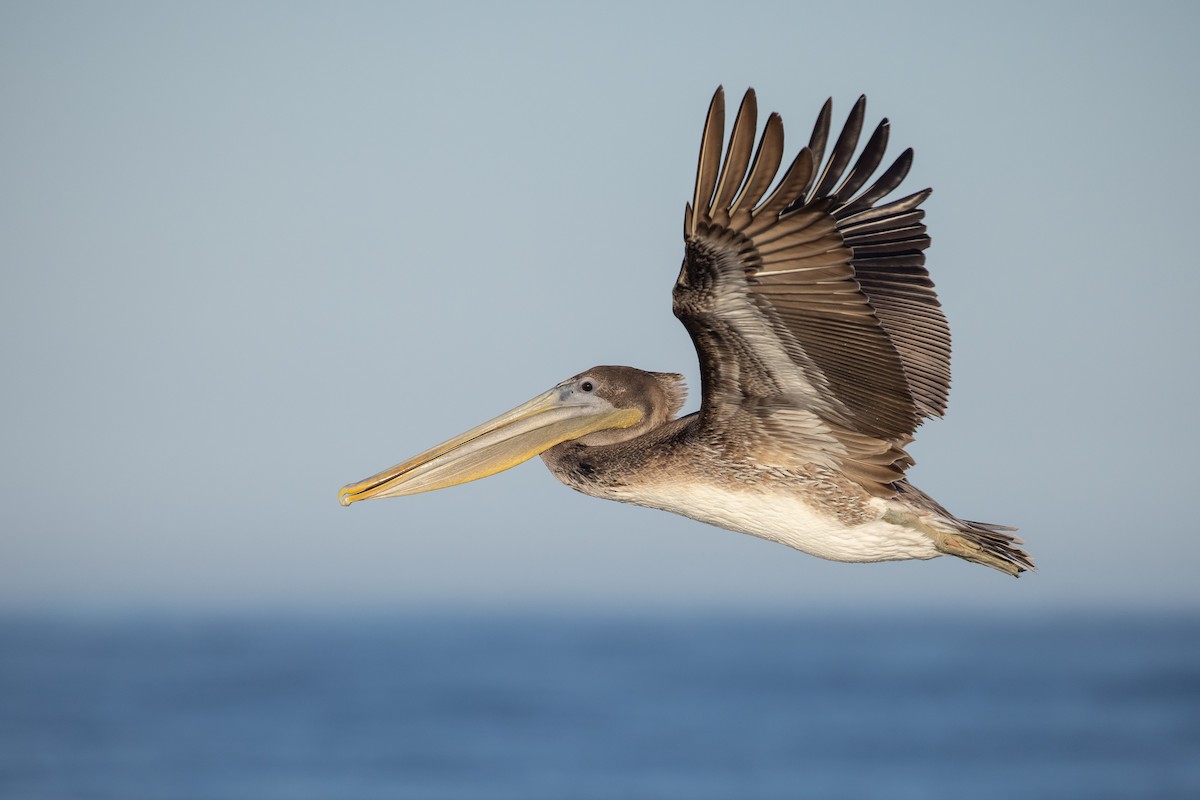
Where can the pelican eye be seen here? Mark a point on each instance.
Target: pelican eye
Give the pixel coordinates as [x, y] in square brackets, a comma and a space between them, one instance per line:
[587, 386]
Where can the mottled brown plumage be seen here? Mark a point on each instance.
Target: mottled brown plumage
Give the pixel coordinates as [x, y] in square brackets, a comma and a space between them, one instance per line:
[822, 348]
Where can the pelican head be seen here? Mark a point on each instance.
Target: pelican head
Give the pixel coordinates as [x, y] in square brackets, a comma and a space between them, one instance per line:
[602, 405]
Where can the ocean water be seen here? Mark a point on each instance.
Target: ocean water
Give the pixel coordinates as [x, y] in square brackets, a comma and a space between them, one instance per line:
[529, 707]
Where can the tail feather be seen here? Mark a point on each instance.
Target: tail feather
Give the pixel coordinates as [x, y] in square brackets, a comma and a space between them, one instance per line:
[981, 542]
[986, 544]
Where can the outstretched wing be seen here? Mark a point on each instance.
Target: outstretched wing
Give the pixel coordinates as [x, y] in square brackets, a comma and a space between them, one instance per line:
[812, 297]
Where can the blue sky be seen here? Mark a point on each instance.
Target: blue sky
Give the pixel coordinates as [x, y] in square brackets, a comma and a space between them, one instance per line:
[253, 252]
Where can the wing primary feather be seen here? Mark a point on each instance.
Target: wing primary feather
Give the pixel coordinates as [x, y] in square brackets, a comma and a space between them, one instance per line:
[899, 233]
[900, 222]
[843, 151]
[820, 131]
[797, 230]
[795, 180]
[892, 177]
[710, 157]
[866, 164]
[763, 169]
[893, 247]
[737, 158]
[879, 212]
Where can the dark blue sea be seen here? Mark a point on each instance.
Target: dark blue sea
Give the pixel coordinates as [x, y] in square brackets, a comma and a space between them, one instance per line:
[528, 707]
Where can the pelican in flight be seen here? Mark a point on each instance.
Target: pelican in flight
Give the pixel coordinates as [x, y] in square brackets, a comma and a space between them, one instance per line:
[822, 348]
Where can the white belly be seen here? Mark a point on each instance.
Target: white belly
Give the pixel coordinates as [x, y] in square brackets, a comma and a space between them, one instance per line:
[787, 519]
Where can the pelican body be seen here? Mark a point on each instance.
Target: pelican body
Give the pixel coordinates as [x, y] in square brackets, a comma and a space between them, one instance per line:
[822, 348]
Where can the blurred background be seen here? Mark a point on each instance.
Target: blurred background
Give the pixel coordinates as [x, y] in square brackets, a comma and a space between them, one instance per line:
[252, 252]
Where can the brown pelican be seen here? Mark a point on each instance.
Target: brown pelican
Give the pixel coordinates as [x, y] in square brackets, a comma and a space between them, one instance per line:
[822, 348]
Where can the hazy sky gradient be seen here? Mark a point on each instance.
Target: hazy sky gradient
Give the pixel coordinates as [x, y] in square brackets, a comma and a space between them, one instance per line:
[252, 252]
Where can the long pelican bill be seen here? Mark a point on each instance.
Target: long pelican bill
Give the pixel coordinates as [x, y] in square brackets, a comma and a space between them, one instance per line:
[513, 437]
